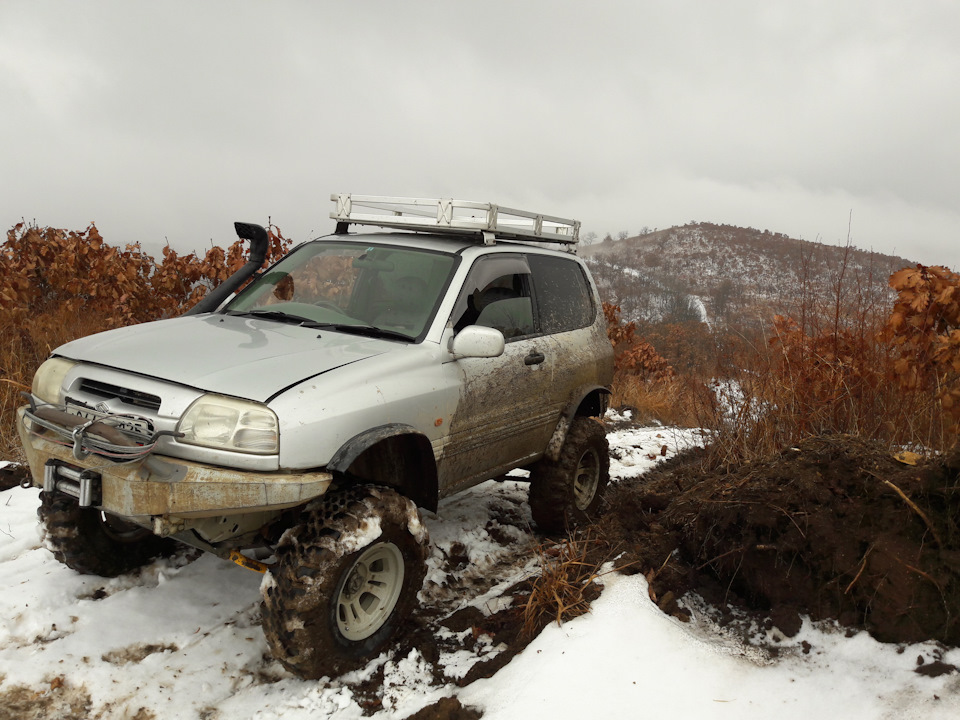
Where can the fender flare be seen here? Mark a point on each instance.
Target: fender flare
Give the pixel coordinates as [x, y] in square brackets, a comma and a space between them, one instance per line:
[422, 489]
[573, 409]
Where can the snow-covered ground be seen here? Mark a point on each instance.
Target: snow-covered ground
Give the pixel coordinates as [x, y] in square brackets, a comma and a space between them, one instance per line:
[180, 639]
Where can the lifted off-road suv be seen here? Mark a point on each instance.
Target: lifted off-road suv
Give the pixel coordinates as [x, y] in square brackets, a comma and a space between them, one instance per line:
[305, 418]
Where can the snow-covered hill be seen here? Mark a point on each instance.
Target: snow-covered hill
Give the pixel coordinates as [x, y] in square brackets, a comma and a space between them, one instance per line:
[708, 272]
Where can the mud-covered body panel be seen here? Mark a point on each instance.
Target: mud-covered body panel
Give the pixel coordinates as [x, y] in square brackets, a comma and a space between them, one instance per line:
[191, 490]
[328, 388]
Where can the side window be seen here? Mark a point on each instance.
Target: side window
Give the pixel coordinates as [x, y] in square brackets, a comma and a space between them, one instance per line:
[564, 299]
[497, 294]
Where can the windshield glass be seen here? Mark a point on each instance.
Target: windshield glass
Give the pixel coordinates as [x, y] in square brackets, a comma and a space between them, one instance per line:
[350, 284]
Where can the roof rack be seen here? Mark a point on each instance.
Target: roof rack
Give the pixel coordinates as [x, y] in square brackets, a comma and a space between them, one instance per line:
[454, 216]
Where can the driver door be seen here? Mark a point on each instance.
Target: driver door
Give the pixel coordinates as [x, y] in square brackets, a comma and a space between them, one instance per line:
[507, 408]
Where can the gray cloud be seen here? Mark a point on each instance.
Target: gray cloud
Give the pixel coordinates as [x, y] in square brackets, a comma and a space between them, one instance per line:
[171, 120]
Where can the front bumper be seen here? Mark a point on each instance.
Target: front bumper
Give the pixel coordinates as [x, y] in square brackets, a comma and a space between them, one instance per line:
[155, 488]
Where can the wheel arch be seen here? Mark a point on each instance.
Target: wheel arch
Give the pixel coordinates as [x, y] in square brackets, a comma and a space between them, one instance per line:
[589, 402]
[395, 455]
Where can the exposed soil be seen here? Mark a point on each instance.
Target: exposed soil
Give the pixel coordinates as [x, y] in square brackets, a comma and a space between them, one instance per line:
[834, 528]
[448, 708]
[12, 475]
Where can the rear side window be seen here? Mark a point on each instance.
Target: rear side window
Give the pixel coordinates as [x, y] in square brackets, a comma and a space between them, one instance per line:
[564, 299]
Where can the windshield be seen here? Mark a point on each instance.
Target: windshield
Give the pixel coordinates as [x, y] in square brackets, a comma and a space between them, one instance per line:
[351, 287]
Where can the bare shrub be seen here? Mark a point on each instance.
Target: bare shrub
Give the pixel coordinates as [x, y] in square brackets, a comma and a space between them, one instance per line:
[643, 379]
[844, 367]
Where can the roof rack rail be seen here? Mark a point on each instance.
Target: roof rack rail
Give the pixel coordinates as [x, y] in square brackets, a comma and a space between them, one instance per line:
[462, 217]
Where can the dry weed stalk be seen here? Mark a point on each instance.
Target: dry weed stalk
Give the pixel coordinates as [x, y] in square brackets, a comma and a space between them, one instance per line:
[565, 587]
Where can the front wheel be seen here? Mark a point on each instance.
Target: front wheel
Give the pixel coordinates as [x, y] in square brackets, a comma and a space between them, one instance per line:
[569, 491]
[93, 542]
[343, 581]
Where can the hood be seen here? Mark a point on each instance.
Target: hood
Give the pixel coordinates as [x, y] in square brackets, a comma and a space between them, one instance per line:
[244, 357]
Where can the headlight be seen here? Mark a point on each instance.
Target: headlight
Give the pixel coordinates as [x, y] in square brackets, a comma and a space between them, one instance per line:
[229, 424]
[48, 381]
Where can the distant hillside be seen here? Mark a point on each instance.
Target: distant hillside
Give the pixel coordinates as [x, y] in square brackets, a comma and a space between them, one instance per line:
[732, 275]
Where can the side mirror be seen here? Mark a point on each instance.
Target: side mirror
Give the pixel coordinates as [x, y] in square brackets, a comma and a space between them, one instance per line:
[476, 341]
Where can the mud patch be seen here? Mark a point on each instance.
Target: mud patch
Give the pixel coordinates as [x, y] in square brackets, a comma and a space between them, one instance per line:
[936, 669]
[448, 708]
[450, 648]
[834, 528]
[136, 653]
[57, 700]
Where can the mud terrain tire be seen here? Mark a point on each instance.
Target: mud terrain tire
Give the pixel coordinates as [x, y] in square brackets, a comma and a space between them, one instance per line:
[569, 491]
[94, 543]
[344, 580]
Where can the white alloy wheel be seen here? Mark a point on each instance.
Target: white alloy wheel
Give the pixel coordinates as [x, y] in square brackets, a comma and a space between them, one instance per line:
[586, 480]
[370, 591]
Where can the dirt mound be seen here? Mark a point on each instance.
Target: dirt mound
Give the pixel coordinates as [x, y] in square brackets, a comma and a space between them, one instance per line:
[833, 528]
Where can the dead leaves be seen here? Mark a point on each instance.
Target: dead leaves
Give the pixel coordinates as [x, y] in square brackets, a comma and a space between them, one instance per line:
[633, 354]
[49, 267]
[925, 325]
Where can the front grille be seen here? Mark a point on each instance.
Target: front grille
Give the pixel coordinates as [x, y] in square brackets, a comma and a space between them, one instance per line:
[124, 395]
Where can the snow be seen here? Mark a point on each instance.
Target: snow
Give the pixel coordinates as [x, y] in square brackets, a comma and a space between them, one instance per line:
[180, 639]
[368, 531]
[626, 656]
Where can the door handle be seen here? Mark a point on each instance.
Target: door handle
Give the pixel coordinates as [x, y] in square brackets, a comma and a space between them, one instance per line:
[534, 358]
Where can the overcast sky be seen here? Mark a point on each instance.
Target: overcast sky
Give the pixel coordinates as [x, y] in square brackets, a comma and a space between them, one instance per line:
[170, 120]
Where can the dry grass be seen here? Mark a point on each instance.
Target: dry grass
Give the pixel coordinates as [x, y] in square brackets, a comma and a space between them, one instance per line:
[828, 379]
[654, 400]
[565, 587]
[842, 363]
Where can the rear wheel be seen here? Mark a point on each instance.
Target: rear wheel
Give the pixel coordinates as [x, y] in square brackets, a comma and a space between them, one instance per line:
[569, 491]
[344, 580]
[93, 542]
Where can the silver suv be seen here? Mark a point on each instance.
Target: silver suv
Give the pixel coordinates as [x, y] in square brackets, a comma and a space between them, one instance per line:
[303, 419]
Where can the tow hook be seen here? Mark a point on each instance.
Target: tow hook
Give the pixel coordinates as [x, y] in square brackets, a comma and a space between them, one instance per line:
[248, 563]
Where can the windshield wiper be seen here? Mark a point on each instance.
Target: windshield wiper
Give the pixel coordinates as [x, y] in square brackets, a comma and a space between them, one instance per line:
[367, 330]
[277, 315]
[284, 317]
